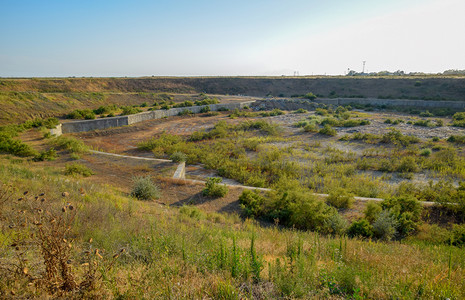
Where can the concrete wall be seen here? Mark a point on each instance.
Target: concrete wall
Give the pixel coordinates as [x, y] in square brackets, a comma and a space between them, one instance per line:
[293, 104]
[88, 125]
[395, 102]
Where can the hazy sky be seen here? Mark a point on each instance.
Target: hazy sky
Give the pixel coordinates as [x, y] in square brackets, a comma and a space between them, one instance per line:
[241, 37]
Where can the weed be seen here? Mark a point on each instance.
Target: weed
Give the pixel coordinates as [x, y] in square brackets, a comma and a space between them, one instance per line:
[144, 189]
[78, 169]
[214, 189]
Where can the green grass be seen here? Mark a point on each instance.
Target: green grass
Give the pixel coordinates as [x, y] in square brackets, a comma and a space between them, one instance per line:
[177, 253]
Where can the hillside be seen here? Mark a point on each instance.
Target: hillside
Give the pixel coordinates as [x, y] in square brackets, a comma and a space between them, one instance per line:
[22, 99]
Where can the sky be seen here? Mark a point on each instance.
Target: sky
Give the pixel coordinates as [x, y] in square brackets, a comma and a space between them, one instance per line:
[45, 38]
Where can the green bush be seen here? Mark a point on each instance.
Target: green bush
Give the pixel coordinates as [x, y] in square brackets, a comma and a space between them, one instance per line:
[14, 146]
[144, 189]
[459, 139]
[321, 112]
[330, 121]
[205, 109]
[301, 111]
[372, 211]
[185, 112]
[311, 127]
[426, 114]
[251, 202]
[78, 169]
[302, 210]
[460, 116]
[178, 156]
[407, 212]
[395, 136]
[81, 114]
[71, 144]
[273, 113]
[129, 110]
[214, 189]
[426, 152]
[310, 96]
[340, 198]
[354, 123]
[50, 154]
[457, 235]
[328, 130]
[335, 224]
[407, 165]
[184, 104]
[384, 227]
[207, 101]
[360, 228]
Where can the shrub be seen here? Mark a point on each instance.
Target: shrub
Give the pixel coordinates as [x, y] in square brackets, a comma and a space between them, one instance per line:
[407, 212]
[105, 109]
[302, 210]
[330, 121]
[426, 152]
[354, 123]
[457, 235]
[178, 156]
[251, 202]
[214, 189]
[129, 110]
[335, 224]
[205, 109]
[426, 114]
[144, 189]
[78, 169]
[360, 228]
[50, 154]
[328, 130]
[185, 112]
[184, 104]
[81, 114]
[384, 227]
[312, 127]
[273, 113]
[459, 139]
[460, 116]
[207, 101]
[14, 146]
[340, 198]
[321, 111]
[70, 143]
[310, 96]
[301, 111]
[372, 211]
[407, 165]
[395, 136]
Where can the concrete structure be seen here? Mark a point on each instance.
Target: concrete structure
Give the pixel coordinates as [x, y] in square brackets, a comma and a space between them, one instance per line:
[88, 125]
[180, 172]
[293, 104]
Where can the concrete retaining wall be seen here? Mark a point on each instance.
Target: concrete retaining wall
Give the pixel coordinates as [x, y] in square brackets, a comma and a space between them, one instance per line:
[88, 125]
[293, 104]
[395, 102]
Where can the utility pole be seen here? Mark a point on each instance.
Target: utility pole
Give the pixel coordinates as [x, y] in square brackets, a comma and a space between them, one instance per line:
[363, 70]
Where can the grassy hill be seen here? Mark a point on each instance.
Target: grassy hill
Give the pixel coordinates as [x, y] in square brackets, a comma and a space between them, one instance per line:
[79, 239]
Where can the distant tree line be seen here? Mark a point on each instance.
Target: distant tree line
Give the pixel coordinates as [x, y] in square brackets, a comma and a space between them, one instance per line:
[402, 73]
